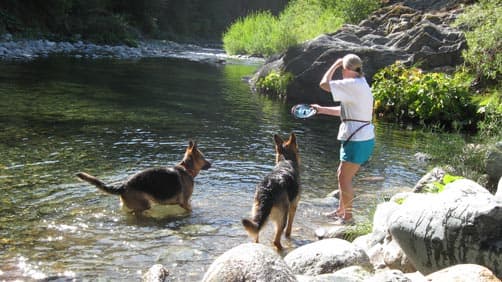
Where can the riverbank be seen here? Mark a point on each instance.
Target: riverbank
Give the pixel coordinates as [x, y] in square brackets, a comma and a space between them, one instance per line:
[29, 49]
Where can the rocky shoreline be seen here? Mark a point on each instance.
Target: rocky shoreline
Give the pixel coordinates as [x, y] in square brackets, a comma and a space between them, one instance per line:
[29, 49]
[417, 236]
[453, 235]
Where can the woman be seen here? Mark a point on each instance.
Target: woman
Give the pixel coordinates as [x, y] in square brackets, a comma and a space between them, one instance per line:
[356, 132]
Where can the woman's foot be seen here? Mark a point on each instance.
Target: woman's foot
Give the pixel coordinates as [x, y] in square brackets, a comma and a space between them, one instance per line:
[334, 214]
[343, 221]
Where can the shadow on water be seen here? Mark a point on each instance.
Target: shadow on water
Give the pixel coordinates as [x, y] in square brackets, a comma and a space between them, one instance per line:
[114, 118]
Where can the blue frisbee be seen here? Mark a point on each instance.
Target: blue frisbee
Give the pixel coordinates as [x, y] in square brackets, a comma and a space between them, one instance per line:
[303, 111]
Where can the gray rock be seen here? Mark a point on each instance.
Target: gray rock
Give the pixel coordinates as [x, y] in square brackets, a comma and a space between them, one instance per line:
[395, 258]
[435, 175]
[463, 273]
[326, 256]
[347, 274]
[390, 34]
[462, 224]
[249, 262]
[156, 273]
[389, 275]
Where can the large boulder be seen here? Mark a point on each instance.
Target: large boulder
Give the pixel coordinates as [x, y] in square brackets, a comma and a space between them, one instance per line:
[461, 225]
[326, 256]
[392, 33]
[463, 273]
[249, 262]
[348, 274]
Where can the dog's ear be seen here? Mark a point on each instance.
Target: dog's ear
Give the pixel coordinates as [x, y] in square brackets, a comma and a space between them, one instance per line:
[278, 140]
[292, 138]
[192, 145]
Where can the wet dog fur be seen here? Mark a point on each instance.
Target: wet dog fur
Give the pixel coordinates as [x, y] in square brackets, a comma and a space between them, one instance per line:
[277, 195]
[162, 185]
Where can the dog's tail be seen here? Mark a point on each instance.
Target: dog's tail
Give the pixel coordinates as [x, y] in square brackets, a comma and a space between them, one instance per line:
[251, 227]
[110, 189]
[261, 211]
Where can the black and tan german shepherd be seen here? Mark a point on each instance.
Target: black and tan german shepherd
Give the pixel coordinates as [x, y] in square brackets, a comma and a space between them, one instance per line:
[277, 195]
[162, 185]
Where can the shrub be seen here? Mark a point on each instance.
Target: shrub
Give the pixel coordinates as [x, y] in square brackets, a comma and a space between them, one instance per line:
[484, 38]
[275, 83]
[410, 95]
[491, 110]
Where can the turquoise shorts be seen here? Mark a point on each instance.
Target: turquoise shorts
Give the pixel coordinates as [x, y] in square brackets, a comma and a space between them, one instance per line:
[357, 152]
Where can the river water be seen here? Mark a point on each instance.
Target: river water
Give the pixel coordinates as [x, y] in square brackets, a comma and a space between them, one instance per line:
[112, 118]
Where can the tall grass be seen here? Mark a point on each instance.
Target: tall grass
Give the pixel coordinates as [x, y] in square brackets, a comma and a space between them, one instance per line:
[257, 34]
[265, 34]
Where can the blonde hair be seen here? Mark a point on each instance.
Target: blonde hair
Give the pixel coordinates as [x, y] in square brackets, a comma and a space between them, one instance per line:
[354, 63]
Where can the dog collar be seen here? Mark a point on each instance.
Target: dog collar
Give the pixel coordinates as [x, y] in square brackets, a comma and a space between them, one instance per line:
[190, 171]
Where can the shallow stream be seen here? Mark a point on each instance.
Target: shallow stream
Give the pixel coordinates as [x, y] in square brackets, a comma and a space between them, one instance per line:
[112, 118]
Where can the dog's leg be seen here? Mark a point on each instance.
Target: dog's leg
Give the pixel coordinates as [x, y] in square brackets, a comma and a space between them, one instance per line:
[187, 206]
[291, 217]
[184, 202]
[280, 217]
[135, 201]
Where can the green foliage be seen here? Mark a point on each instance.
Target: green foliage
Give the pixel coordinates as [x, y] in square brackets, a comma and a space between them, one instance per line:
[354, 11]
[100, 21]
[457, 155]
[109, 30]
[408, 94]
[305, 20]
[266, 34]
[359, 229]
[483, 21]
[256, 34]
[275, 83]
[490, 125]
[400, 201]
[438, 186]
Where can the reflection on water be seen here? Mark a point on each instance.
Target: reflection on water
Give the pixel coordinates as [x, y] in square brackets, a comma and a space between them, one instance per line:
[114, 118]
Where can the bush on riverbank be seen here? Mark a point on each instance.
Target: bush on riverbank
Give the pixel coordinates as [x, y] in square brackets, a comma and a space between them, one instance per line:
[410, 95]
[274, 83]
[407, 94]
[484, 38]
[266, 34]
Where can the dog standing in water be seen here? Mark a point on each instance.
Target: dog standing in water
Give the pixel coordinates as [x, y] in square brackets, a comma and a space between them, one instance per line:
[163, 185]
[277, 196]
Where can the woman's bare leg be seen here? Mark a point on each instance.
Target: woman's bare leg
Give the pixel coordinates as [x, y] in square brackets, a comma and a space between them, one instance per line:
[346, 172]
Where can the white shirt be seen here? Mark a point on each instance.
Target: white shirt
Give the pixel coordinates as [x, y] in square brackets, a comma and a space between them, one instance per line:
[356, 103]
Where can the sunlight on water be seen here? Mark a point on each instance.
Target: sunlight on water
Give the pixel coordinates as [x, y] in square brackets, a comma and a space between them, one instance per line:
[114, 118]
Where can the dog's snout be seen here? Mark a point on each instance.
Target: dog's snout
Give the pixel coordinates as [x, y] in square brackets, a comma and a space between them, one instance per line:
[206, 166]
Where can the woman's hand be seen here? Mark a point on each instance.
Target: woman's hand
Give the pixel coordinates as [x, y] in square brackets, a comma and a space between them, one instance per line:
[338, 63]
[324, 84]
[330, 111]
[316, 107]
